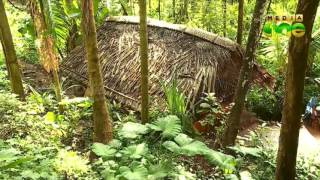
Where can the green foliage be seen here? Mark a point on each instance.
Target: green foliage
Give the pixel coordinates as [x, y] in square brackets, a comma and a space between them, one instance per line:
[57, 20]
[131, 156]
[247, 151]
[10, 158]
[135, 151]
[132, 130]
[30, 138]
[262, 102]
[185, 145]
[176, 103]
[70, 163]
[169, 126]
[23, 34]
[215, 114]
[175, 99]
[273, 53]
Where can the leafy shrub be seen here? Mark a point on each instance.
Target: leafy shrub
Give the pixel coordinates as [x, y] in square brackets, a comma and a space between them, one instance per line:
[31, 134]
[4, 82]
[131, 156]
[262, 102]
[176, 103]
[70, 163]
[213, 113]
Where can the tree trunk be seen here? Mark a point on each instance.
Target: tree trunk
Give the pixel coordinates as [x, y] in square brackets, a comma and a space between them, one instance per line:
[102, 121]
[159, 9]
[73, 36]
[293, 106]
[240, 22]
[185, 10]
[144, 62]
[224, 8]
[174, 10]
[46, 50]
[232, 126]
[13, 67]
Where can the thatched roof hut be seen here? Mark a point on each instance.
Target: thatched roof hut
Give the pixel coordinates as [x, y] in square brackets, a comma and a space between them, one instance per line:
[200, 61]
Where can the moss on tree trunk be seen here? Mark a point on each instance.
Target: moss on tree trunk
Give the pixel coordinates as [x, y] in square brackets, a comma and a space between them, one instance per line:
[240, 22]
[13, 67]
[102, 121]
[232, 125]
[293, 105]
[144, 62]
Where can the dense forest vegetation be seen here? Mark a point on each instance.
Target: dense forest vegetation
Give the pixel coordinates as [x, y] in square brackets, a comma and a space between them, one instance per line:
[148, 90]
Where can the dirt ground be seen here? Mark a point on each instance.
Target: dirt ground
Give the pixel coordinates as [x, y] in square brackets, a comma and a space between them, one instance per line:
[309, 139]
[36, 76]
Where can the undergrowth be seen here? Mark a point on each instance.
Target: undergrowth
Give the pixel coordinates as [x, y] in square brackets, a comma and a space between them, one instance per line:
[36, 142]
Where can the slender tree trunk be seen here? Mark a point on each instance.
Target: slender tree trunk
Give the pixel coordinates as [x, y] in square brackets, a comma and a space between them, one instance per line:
[144, 62]
[133, 8]
[232, 126]
[73, 36]
[102, 121]
[185, 10]
[150, 5]
[224, 8]
[125, 12]
[293, 106]
[206, 11]
[174, 10]
[159, 9]
[46, 50]
[13, 67]
[240, 22]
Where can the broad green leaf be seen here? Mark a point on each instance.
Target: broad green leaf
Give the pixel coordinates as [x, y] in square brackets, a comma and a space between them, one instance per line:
[137, 172]
[136, 151]
[50, 117]
[132, 130]
[103, 150]
[170, 126]
[223, 161]
[253, 151]
[159, 171]
[185, 145]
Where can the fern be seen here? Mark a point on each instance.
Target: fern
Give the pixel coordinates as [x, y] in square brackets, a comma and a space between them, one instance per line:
[185, 145]
[160, 171]
[225, 162]
[169, 126]
[252, 151]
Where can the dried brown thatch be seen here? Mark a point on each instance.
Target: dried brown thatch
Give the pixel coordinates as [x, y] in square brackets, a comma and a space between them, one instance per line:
[199, 60]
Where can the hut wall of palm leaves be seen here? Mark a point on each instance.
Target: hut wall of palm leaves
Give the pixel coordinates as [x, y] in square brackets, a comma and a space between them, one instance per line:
[200, 62]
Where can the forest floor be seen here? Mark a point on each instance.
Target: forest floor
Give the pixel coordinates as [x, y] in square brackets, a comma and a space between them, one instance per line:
[257, 140]
[309, 139]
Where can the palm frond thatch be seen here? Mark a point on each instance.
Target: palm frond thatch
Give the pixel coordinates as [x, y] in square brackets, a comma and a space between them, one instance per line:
[199, 60]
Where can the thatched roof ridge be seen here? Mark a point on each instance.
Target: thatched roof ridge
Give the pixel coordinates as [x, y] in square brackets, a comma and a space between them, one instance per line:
[200, 33]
